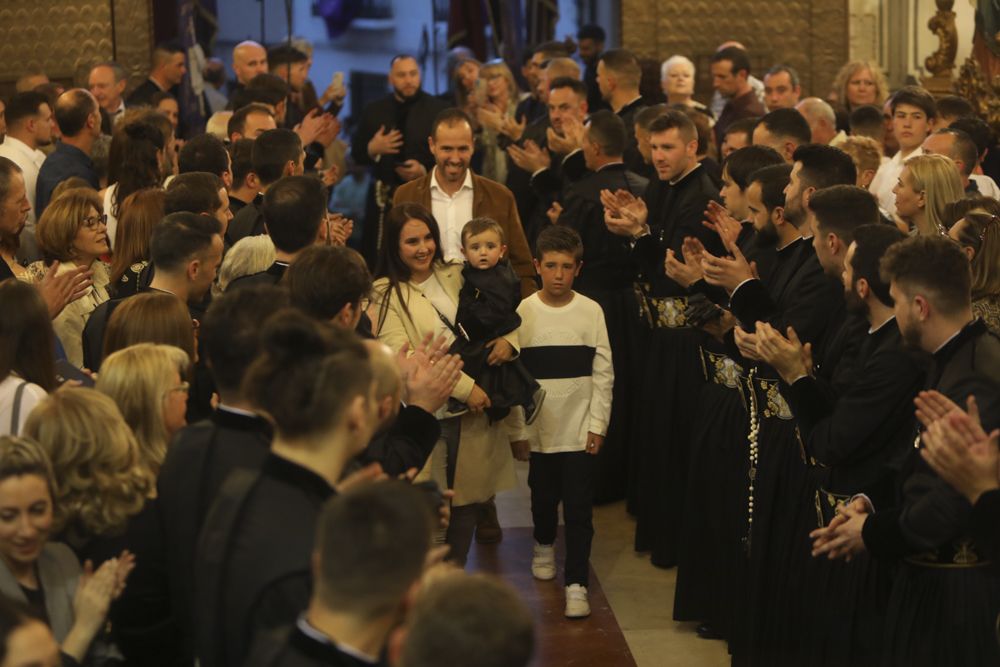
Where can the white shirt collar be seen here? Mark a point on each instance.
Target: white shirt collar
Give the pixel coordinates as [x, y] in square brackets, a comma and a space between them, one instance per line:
[466, 184]
[236, 411]
[872, 330]
[950, 338]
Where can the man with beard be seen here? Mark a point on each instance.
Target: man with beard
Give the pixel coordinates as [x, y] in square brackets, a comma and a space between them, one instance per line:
[670, 210]
[856, 432]
[392, 139]
[946, 595]
[29, 126]
[455, 195]
[798, 294]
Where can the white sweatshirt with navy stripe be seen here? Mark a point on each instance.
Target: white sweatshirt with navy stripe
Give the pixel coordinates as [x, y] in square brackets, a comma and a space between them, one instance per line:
[567, 351]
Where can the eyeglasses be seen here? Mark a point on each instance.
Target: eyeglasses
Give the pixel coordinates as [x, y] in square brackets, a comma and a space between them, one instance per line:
[95, 221]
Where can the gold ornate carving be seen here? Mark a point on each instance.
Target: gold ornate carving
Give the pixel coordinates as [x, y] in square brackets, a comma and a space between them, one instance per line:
[65, 37]
[974, 86]
[942, 24]
[810, 35]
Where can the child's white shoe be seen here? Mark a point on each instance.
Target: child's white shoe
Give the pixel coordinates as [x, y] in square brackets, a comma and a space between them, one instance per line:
[577, 605]
[543, 562]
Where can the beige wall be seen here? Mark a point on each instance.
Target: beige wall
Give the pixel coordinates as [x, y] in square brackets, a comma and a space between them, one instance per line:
[65, 37]
[810, 35]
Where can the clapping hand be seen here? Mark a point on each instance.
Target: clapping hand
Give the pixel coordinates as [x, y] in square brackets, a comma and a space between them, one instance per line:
[59, 289]
[529, 157]
[962, 453]
[567, 140]
[728, 272]
[624, 213]
[789, 356]
[726, 226]
[747, 343]
[842, 538]
[513, 128]
[554, 212]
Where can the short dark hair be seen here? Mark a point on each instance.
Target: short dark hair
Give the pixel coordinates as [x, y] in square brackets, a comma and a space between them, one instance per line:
[205, 152]
[954, 106]
[283, 54]
[606, 129]
[179, 237]
[324, 279]
[843, 208]
[73, 108]
[773, 180]
[743, 126]
[592, 31]
[372, 541]
[872, 242]
[193, 192]
[472, 620]
[646, 115]
[272, 150]
[914, 96]
[964, 149]
[736, 56]
[787, 124]
[793, 75]
[675, 119]
[450, 117]
[230, 330]
[553, 49]
[823, 166]
[934, 266]
[238, 121]
[241, 152]
[978, 130]
[23, 106]
[577, 86]
[741, 164]
[559, 238]
[623, 63]
[867, 120]
[267, 88]
[294, 208]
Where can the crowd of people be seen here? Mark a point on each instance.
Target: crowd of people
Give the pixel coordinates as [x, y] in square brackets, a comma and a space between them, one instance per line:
[261, 385]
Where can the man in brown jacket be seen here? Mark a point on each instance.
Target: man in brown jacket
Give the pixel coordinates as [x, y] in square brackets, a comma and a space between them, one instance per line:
[455, 195]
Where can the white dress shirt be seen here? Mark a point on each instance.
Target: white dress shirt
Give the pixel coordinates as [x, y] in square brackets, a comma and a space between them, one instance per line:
[119, 113]
[886, 178]
[451, 213]
[30, 161]
[987, 186]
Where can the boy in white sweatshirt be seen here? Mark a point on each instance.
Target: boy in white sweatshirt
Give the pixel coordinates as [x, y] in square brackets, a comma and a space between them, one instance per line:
[564, 345]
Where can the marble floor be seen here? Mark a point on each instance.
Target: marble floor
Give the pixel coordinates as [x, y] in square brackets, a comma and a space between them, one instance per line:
[640, 596]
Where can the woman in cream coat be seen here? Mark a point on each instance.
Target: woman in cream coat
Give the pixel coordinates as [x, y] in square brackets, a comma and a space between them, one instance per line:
[416, 295]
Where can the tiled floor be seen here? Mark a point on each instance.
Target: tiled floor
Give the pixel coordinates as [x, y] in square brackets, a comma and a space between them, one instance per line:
[640, 595]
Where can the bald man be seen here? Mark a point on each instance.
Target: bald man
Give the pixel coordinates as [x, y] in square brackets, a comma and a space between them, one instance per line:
[249, 60]
[821, 118]
[79, 118]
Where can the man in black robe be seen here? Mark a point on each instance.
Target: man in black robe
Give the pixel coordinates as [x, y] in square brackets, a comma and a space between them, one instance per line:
[618, 77]
[946, 595]
[392, 139]
[670, 210]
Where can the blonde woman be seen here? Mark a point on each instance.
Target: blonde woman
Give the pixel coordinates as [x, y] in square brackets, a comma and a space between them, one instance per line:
[147, 383]
[978, 232]
[866, 153]
[927, 184]
[73, 232]
[859, 83]
[105, 502]
[42, 574]
[500, 98]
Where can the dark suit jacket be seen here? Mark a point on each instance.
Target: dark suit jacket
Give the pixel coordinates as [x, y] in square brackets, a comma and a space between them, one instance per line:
[249, 221]
[291, 647]
[489, 199]
[272, 276]
[197, 462]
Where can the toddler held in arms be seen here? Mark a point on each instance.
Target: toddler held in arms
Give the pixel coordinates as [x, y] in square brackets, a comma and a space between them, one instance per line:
[487, 310]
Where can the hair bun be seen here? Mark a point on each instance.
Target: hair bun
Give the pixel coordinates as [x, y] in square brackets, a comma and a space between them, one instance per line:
[143, 131]
[290, 336]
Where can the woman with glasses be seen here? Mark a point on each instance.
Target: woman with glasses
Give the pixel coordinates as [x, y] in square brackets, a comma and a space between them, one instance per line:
[73, 232]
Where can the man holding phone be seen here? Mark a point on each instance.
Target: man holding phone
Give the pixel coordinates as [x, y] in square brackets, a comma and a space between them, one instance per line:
[392, 139]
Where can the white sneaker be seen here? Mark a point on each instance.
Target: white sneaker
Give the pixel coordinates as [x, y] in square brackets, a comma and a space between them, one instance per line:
[543, 562]
[577, 605]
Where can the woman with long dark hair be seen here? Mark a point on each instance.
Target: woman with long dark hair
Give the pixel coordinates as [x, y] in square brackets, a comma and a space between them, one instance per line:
[139, 148]
[415, 295]
[27, 358]
[139, 213]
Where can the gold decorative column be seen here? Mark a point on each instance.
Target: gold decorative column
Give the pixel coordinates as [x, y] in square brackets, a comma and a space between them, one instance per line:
[941, 63]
